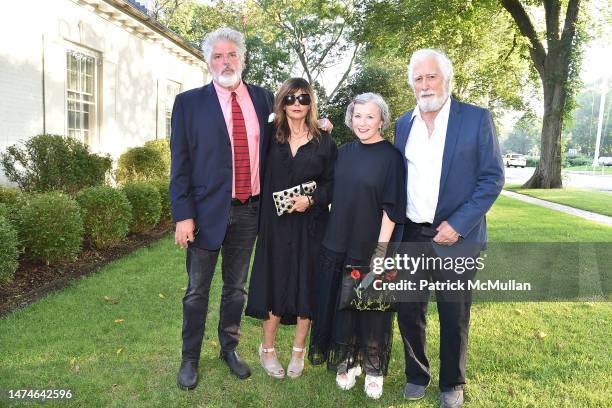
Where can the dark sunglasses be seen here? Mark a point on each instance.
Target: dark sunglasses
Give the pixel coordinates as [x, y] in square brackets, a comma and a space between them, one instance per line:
[303, 99]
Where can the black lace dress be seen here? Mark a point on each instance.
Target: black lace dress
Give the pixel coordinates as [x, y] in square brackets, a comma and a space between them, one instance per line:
[369, 178]
[282, 277]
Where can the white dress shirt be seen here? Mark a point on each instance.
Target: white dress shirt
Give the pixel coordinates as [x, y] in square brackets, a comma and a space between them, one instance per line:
[424, 154]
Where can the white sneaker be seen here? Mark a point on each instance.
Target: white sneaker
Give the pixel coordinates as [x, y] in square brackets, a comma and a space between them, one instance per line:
[346, 381]
[373, 386]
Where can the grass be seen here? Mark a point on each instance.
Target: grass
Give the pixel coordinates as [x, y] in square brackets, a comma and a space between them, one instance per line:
[521, 354]
[595, 201]
[591, 169]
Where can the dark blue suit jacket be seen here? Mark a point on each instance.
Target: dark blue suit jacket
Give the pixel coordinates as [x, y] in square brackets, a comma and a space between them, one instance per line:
[472, 169]
[201, 167]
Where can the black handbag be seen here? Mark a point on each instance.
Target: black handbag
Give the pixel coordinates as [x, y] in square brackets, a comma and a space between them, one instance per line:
[358, 290]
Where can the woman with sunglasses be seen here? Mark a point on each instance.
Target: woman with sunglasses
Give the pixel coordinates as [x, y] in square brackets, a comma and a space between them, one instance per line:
[281, 285]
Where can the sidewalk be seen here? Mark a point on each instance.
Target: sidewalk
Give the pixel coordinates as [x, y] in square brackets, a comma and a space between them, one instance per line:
[587, 215]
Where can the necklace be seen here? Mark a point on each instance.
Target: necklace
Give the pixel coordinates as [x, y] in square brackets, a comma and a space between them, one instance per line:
[301, 136]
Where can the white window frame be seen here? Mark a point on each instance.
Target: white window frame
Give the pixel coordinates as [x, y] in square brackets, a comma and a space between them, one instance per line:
[170, 95]
[79, 96]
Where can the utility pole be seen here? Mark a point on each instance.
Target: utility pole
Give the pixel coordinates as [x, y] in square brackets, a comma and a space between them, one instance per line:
[602, 105]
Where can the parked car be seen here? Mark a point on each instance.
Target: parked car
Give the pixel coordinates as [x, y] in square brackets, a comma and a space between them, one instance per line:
[515, 160]
[605, 161]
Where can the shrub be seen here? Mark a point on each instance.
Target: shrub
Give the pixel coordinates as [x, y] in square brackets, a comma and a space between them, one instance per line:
[52, 162]
[141, 164]
[532, 162]
[10, 212]
[50, 227]
[9, 196]
[10, 201]
[579, 161]
[106, 214]
[4, 210]
[8, 251]
[163, 187]
[146, 205]
[163, 147]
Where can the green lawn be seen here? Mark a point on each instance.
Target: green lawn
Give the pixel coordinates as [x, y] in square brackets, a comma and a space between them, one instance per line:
[595, 201]
[596, 170]
[521, 354]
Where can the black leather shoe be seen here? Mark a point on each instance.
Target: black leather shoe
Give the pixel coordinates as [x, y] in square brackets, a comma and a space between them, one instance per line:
[236, 365]
[451, 399]
[187, 377]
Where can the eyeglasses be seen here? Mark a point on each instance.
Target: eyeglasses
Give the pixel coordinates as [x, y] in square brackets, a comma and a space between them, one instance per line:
[303, 99]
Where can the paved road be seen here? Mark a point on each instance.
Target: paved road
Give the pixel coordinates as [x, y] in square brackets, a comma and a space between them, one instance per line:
[570, 179]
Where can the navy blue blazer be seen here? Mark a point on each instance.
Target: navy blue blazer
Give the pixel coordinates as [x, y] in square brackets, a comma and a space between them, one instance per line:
[201, 168]
[472, 169]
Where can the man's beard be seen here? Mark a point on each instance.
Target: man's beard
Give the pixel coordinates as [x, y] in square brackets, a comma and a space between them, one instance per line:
[433, 103]
[228, 80]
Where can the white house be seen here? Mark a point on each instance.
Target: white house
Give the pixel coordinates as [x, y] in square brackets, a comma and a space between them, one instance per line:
[101, 71]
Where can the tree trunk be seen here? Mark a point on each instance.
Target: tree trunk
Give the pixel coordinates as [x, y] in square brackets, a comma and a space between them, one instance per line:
[548, 171]
[552, 63]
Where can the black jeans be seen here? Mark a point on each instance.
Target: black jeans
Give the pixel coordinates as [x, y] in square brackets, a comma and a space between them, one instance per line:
[236, 255]
[454, 314]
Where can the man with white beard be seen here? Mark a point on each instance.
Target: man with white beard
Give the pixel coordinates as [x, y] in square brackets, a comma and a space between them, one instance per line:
[454, 173]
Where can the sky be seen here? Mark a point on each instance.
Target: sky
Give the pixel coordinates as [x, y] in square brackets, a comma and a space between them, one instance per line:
[597, 62]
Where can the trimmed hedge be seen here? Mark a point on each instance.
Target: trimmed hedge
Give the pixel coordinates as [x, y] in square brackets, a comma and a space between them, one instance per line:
[10, 204]
[579, 161]
[52, 162]
[50, 227]
[9, 251]
[146, 205]
[140, 164]
[106, 214]
[163, 147]
[5, 211]
[163, 187]
[9, 196]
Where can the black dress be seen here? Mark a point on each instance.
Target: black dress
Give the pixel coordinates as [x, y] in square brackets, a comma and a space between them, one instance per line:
[287, 245]
[369, 178]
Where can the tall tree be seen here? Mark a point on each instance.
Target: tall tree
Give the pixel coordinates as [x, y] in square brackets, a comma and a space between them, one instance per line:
[371, 75]
[163, 10]
[557, 63]
[524, 137]
[319, 33]
[478, 36]
[267, 62]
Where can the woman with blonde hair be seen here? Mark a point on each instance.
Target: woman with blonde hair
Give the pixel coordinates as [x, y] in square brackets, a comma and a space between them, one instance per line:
[281, 285]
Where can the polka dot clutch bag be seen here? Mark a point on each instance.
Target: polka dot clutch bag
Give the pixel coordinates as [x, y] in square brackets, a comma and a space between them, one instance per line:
[284, 199]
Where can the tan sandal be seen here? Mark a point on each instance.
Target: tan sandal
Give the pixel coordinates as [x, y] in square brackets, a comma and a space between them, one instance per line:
[271, 366]
[296, 365]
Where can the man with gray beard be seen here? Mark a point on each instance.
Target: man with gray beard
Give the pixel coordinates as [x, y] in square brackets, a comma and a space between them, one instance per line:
[454, 173]
[218, 148]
